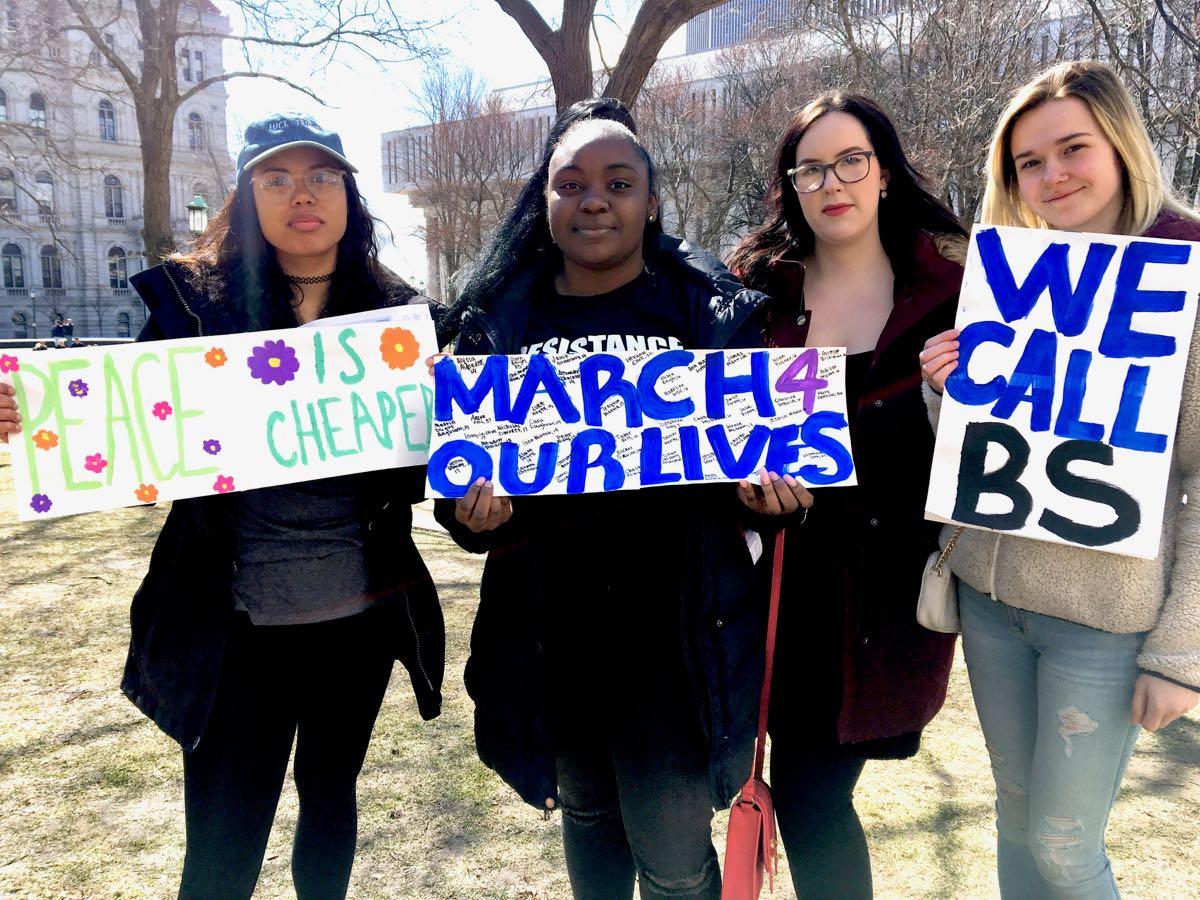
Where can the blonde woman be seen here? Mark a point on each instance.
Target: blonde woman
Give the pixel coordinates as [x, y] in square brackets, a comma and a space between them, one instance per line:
[1072, 651]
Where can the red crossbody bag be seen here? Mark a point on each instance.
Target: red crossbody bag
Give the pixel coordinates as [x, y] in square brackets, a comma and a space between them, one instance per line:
[751, 846]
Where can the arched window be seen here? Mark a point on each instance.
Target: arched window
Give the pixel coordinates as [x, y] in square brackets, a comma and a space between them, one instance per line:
[51, 267]
[123, 325]
[8, 190]
[20, 325]
[108, 121]
[37, 110]
[44, 193]
[118, 269]
[200, 189]
[114, 197]
[195, 131]
[3, 107]
[13, 263]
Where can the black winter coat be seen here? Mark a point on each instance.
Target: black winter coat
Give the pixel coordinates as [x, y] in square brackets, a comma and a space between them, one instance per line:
[181, 614]
[722, 594]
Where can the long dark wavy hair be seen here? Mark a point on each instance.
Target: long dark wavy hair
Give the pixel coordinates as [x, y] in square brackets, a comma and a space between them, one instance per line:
[236, 266]
[908, 210]
[523, 238]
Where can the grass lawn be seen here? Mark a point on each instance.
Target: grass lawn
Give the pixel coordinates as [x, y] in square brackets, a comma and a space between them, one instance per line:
[91, 794]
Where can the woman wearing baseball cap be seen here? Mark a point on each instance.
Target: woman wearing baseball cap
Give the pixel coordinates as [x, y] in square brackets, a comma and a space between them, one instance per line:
[272, 617]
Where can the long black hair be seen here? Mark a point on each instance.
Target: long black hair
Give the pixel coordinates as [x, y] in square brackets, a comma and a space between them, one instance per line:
[523, 238]
[908, 210]
[235, 265]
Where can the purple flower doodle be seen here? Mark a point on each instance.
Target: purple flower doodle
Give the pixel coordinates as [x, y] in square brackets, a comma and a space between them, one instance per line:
[78, 388]
[273, 363]
[212, 446]
[40, 503]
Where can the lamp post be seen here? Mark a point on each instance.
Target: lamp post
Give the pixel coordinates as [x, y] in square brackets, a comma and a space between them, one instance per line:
[33, 309]
[197, 215]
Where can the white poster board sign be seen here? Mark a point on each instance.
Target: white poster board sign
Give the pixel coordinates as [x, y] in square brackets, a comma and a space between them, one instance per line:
[106, 427]
[589, 422]
[1059, 422]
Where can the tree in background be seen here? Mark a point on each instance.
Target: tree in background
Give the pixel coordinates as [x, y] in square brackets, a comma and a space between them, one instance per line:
[470, 166]
[567, 50]
[315, 32]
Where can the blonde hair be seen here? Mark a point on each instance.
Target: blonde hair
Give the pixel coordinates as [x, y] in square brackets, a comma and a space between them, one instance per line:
[1146, 190]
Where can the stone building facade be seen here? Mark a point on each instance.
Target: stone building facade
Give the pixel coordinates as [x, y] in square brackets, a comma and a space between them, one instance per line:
[71, 173]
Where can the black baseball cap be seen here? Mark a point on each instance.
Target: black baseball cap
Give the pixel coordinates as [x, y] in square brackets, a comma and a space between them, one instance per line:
[269, 136]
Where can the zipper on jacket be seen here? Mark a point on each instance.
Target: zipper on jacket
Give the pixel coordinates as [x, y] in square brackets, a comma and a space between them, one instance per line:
[188, 309]
[417, 638]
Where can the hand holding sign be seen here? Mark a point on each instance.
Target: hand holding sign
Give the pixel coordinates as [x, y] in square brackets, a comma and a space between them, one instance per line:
[480, 510]
[10, 416]
[939, 359]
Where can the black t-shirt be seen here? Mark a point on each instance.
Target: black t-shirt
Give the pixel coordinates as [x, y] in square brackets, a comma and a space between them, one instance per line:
[611, 563]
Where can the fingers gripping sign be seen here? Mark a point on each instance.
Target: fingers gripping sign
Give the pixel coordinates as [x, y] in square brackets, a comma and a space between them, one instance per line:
[10, 416]
[939, 359]
[479, 510]
[773, 495]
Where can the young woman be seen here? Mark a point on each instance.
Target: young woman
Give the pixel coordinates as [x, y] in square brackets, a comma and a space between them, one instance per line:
[1071, 651]
[273, 616]
[614, 654]
[855, 254]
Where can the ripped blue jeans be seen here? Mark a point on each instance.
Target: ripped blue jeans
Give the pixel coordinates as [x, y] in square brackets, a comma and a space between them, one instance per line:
[1054, 699]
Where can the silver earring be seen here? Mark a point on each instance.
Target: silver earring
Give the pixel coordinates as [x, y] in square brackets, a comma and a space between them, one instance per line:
[651, 217]
[883, 193]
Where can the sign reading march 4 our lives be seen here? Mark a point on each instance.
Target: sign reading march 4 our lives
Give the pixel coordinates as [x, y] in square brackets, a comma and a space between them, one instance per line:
[1059, 422]
[588, 422]
[106, 427]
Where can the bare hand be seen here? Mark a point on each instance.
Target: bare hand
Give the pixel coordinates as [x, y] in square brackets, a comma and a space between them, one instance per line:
[432, 361]
[479, 510]
[776, 496]
[10, 419]
[939, 358]
[1157, 702]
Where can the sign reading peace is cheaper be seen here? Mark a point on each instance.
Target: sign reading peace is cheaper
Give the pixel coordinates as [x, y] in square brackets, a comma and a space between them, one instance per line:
[119, 426]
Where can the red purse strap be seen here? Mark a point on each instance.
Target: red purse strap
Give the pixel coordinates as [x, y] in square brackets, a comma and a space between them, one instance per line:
[764, 699]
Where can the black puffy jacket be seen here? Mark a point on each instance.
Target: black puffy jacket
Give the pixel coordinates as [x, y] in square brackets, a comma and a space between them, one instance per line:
[722, 594]
[180, 615]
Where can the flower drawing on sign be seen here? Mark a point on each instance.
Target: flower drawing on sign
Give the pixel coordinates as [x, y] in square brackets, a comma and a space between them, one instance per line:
[44, 439]
[146, 493]
[40, 503]
[223, 484]
[216, 357]
[161, 410]
[9, 364]
[273, 363]
[78, 388]
[95, 463]
[212, 446]
[399, 348]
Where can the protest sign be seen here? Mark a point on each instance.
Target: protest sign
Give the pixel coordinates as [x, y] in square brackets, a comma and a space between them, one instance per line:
[1059, 422]
[588, 422]
[106, 427]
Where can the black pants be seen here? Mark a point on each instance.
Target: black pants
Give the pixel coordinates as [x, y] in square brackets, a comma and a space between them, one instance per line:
[321, 685]
[812, 784]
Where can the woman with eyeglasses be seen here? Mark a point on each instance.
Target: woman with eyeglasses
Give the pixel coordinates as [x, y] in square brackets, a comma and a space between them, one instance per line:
[273, 616]
[856, 253]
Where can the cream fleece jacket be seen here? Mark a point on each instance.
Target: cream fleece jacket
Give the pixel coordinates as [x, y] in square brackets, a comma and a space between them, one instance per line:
[1121, 594]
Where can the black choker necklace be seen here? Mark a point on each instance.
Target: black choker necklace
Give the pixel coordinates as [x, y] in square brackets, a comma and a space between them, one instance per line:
[309, 279]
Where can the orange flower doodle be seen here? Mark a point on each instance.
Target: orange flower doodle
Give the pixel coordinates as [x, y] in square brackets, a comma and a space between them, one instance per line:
[147, 493]
[399, 348]
[216, 357]
[44, 439]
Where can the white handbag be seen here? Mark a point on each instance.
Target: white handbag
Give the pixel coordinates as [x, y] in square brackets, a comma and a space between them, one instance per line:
[937, 604]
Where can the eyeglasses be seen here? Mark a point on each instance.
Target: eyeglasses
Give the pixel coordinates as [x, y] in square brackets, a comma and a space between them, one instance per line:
[322, 183]
[849, 168]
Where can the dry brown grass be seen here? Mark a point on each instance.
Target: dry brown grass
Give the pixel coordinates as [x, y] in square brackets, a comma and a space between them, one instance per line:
[91, 793]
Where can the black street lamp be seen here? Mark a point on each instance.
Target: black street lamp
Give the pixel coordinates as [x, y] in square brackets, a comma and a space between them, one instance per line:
[197, 215]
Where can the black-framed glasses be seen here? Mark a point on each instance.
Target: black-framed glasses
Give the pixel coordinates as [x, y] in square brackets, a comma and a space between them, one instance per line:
[849, 168]
[322, 183]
